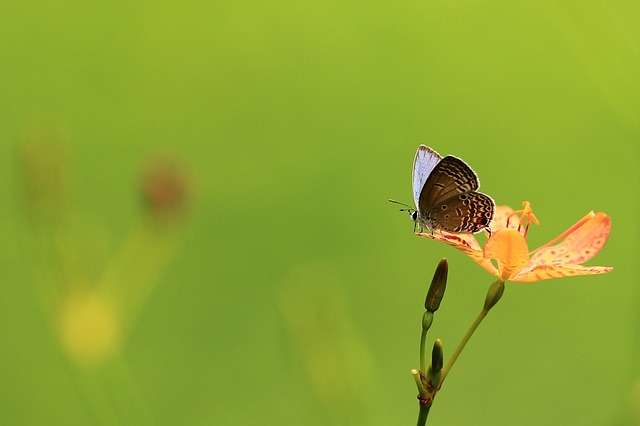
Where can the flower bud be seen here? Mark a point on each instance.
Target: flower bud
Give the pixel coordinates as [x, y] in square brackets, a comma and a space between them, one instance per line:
[437, 288]
[493, 295]
[427, 320]
[437, 356]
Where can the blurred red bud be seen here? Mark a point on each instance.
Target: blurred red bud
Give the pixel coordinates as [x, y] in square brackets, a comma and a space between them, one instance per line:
[165, 189]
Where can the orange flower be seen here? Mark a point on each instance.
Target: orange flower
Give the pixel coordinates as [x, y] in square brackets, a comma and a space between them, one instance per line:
[507, 246]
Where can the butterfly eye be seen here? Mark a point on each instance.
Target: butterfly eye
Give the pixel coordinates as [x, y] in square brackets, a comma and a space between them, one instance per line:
[414, 216]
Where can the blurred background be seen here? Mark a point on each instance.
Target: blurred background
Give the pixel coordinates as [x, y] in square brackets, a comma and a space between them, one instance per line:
[195, 226]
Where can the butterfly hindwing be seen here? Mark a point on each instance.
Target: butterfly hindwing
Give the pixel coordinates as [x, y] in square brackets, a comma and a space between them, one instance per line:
[465, 213]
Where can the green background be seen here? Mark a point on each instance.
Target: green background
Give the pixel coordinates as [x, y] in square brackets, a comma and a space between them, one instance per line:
[294, 294]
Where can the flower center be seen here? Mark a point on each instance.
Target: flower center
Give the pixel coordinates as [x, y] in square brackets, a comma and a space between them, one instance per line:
[525, 219]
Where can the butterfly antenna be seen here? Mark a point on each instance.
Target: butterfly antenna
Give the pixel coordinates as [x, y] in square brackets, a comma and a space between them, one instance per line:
[408, 207]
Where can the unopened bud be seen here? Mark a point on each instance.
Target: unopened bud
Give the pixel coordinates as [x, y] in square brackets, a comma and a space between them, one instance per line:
[427, 320]
[437, 356]
[493, 295]
[438, 286]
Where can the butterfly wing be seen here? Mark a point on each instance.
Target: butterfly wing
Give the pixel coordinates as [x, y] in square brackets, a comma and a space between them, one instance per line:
[449, 178]
[465, 213]
[426, 160]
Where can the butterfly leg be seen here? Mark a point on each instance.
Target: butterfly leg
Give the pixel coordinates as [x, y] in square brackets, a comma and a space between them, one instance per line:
[417, 226]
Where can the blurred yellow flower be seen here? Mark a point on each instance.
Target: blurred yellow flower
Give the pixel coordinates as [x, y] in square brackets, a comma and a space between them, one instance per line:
[89, 326]
[507, 246]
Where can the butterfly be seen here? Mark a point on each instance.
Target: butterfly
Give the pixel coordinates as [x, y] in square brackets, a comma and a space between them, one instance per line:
[445, 195]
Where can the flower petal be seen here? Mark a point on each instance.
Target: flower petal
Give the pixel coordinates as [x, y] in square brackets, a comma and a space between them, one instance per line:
[463, 242]
[509, 248]
[580, 245]
[466, 243]
[545, 272]
[500, 219]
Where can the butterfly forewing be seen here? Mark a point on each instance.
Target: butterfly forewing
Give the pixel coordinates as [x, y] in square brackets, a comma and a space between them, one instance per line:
[449, 178]
[424, 163]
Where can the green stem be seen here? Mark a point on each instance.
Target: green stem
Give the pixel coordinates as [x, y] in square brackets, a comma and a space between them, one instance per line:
[423, 352]
[427, 320]
[418, 378]
[494, 295]
[422, 416]
[462, 344]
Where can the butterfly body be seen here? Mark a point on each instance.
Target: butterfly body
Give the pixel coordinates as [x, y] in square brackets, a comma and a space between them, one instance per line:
[445, 194]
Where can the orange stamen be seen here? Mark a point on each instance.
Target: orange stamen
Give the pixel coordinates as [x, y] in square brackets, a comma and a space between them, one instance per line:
[526, 216]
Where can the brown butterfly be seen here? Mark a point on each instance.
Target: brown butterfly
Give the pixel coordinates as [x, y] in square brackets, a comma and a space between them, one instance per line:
[445, 195]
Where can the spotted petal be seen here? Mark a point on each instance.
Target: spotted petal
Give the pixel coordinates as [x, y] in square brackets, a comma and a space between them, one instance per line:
[583, 241]
[466, 243]
[500, 219]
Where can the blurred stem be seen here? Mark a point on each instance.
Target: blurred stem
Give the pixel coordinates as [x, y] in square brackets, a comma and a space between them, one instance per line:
[93, 394]
[112, 395]
[136, 267]
[127, 395]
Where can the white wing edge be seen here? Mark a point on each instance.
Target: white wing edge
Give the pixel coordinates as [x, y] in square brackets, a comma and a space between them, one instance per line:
[424, 163]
